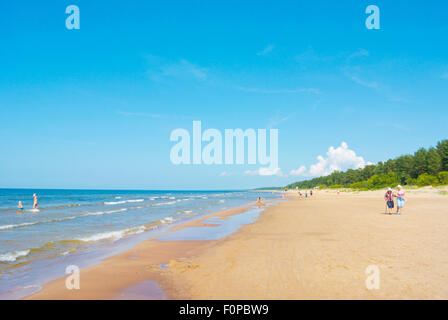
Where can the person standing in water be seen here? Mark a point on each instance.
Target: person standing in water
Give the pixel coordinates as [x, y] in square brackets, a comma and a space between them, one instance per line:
[400, 199]
[20, 206]
[35, 204]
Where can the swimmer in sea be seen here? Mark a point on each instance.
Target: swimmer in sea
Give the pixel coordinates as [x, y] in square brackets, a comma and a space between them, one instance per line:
[35, 205]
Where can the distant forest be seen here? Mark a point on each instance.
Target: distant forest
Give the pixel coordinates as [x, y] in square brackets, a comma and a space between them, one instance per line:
[425, 167]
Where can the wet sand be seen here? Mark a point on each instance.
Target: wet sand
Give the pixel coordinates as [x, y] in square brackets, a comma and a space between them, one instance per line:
[138, 273]
[318, 248]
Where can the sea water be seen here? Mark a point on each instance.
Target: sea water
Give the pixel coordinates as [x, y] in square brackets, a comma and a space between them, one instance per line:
[83, 226]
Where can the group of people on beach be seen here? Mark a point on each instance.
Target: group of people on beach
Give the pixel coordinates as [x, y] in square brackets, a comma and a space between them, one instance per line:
[306, 194]
[389, 198]
[35, 204]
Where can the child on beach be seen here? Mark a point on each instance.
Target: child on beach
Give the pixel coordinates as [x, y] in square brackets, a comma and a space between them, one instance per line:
[311, 193]
[400, 199]
[20, 206]
[389, 198]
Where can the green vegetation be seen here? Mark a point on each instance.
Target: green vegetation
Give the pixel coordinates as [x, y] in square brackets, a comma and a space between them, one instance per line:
[424, 168]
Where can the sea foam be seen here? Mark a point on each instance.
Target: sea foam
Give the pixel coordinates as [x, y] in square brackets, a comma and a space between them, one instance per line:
[113, 235]
[12, 256]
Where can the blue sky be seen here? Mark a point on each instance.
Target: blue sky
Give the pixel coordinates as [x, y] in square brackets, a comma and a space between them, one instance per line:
[94, 108]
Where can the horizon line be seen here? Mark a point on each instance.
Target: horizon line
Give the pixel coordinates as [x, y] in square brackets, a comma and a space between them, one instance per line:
[118, 189]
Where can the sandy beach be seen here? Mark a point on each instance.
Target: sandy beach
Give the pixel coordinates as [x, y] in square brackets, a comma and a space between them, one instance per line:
[315, 248]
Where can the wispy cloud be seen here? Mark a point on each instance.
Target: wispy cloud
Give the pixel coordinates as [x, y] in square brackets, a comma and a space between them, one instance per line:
[364, 83]
[266, 50]
[356, 73]
[309, 55]
[159, 69]
[280, 91]
[278, 119]
[359, 53]
[352, 72]
[184, 68]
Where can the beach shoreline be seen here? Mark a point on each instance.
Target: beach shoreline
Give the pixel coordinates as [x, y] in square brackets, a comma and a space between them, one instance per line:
[83, 227]
[148, 255]
[315, 248]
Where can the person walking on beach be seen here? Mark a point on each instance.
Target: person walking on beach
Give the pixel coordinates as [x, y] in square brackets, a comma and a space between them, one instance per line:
[35, 204]
[389, 198]
[311, 193]
[400, 199]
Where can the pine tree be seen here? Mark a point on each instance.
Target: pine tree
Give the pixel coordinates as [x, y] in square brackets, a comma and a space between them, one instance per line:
[442, 148]
[434, 162]
[420, 164]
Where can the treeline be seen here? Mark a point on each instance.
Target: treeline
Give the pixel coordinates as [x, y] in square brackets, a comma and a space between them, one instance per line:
[425, 167]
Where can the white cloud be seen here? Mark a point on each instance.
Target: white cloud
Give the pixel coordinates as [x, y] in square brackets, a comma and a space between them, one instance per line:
[264, 172]
[341, 158]
[266, 50]
[301, 171]
[225, 174]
